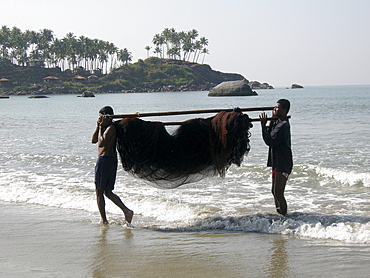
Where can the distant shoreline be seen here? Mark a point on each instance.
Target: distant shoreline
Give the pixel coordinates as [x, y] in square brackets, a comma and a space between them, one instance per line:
[53, 91]
[150, 75]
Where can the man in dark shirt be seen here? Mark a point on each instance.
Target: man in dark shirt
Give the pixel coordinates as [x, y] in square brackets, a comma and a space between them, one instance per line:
[277, 136]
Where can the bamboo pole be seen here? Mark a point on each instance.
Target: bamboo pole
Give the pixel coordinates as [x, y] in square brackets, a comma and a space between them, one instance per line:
[171, 113]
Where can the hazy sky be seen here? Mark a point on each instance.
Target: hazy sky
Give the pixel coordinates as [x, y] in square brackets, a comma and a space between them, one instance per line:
[309, 42]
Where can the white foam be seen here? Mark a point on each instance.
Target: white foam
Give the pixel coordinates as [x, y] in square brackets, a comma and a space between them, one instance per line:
[349, 232]
[345, 229]
[349, 178]
[195, 207]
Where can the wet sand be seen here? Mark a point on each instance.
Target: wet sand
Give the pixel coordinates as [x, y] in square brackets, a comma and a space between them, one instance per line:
[38, 241]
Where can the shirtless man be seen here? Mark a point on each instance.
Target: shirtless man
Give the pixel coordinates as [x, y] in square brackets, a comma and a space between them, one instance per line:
[106, 165]
[277, 136]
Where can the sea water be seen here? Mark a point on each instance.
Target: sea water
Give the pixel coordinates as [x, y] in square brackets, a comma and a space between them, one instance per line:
[46, 158]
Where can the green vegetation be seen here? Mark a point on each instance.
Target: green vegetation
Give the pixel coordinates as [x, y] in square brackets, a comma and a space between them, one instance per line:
[22, 48]
[152, 72]
[179, 45]
[43, 48]
[38, 62]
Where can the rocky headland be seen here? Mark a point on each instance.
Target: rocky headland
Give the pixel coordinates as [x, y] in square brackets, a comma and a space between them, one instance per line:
[150, 75]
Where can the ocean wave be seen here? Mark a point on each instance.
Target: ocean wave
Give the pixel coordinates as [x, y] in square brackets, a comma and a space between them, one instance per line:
[348, 178]
[347, 229]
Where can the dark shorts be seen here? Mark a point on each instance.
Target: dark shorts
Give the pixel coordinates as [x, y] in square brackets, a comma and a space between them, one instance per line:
[105, 172]
[286, 175]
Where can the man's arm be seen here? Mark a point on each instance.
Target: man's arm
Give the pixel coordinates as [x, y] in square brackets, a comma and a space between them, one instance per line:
[276, 136]
[94, 138]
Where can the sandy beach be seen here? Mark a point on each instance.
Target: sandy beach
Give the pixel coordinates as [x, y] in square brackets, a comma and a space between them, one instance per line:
[41, 241]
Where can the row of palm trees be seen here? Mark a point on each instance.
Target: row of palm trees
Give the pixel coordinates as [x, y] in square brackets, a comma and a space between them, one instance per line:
[67, 53]
[182, 45]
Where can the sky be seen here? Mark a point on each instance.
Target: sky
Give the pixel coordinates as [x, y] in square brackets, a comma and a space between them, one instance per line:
[281, 42]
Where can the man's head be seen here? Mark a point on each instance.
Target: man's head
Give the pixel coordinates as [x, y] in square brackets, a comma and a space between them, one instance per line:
[281, 108]
[106, 110]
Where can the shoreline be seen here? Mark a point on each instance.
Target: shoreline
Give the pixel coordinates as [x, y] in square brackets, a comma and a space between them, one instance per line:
[169, 88]
[38, 241]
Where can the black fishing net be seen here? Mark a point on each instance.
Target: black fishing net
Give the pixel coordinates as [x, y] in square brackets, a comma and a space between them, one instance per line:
[197, 149]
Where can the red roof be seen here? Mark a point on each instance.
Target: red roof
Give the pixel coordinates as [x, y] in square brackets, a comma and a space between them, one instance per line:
[79, 77]
[51, 77]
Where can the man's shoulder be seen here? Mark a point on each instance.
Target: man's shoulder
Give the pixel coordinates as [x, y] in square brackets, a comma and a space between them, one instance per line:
[111, 128]
[280, 124]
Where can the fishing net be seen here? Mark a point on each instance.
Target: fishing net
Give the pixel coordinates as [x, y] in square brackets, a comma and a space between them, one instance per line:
[197, 149]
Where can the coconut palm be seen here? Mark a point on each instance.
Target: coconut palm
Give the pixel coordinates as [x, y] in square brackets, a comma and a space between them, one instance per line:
[188, 48]
[204, 52]
[180, 45]
[158, 41]
[45, 38]
[124, 56]
[197, 49]
[112, 51]
[158, 51]
[147, 48]
[5, 41]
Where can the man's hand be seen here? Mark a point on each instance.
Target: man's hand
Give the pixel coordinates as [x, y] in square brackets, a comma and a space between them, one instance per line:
[103, 121]
[263, 118]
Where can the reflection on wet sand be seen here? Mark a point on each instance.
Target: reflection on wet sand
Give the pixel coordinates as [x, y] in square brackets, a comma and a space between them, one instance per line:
[279, 263]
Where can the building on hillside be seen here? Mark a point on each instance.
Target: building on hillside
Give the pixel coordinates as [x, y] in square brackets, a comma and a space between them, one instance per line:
[51, 79]
[4, 82]
[79, 78]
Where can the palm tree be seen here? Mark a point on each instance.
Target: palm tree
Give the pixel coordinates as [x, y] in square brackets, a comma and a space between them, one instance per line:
[204, 52]
[71, 49]
[197, 49]
[180, 45]
[46, 36]
[94, 52]
[15, 43]
[166, 34]
[5, 41]
[32, 38]
[158, 50]
[147, 48]
[187, 48]
[112, 51]
[158, 41]
[83, 49]
[59, 50]
[103, 58]
[71, 52]
[174, 52]
[203, 41]
[124, 56]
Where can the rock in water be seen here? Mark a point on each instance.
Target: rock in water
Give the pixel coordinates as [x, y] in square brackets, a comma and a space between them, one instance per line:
[296, 86]
[38, 96]
[232, 88]
[87, 94]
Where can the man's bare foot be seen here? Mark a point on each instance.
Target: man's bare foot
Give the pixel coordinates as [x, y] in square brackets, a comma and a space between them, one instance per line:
[128, 216]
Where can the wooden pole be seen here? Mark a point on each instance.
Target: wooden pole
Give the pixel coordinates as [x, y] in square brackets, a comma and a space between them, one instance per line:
[252, 120]
[171, 113]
